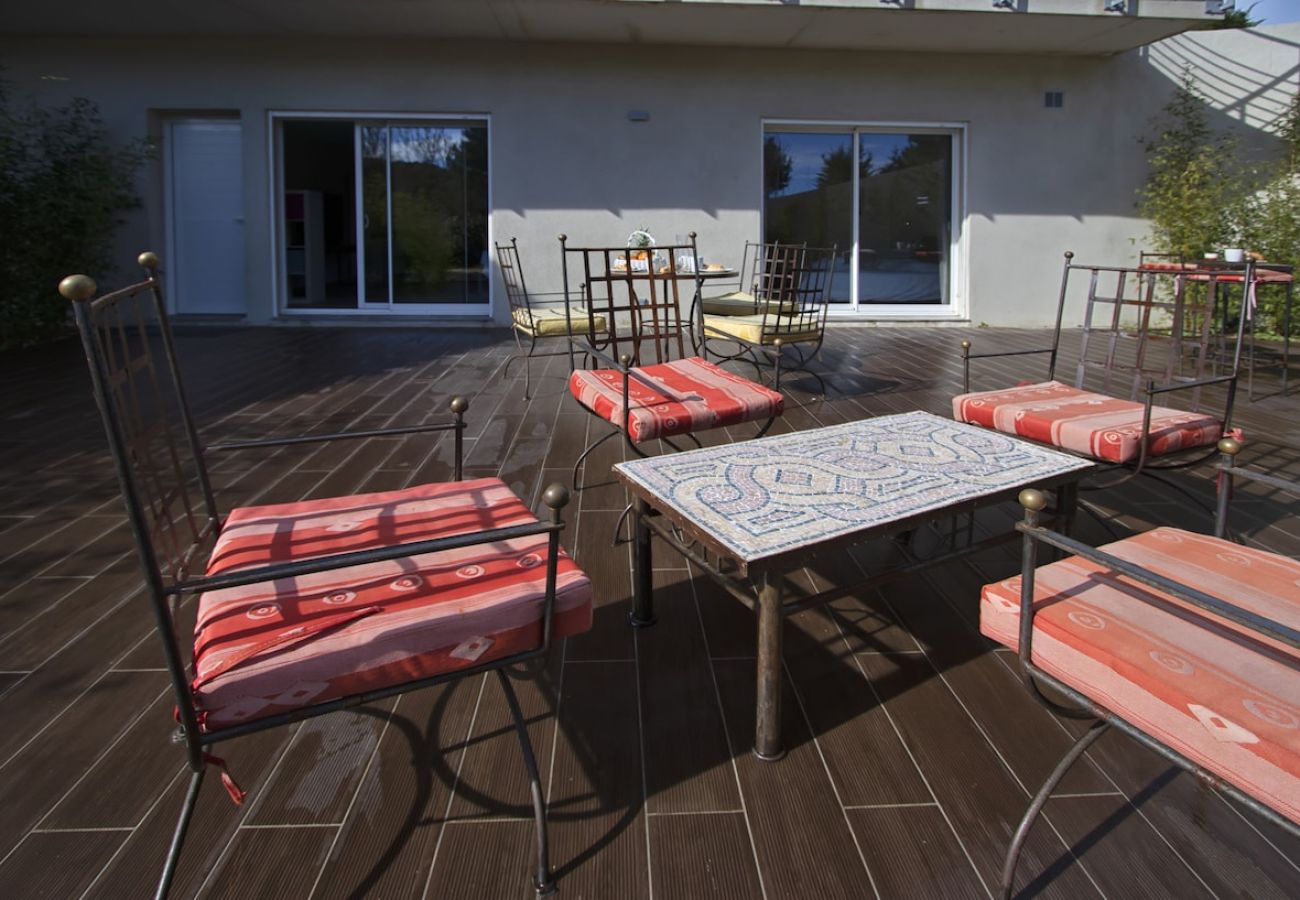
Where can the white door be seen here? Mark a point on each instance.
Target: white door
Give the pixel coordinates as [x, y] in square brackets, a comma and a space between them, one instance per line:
[206, 211]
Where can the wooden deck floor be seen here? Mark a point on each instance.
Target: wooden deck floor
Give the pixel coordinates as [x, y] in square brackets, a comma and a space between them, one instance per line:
[912, 747]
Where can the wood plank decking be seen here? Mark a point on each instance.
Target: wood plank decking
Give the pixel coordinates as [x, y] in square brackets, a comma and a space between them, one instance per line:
[912, 747]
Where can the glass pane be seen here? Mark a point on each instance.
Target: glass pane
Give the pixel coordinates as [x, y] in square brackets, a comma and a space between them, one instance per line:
[374, 203]
[808, 195]
[439, 197]
[320, 224]
[904, 218]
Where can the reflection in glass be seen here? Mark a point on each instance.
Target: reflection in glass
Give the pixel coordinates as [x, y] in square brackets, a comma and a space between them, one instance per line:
[904, 218]
[903, 184]
[374, 204]
[319, 235]
[439, 200]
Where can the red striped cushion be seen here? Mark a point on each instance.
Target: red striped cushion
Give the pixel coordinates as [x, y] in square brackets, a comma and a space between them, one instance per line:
[270, 648]
[1224, 699]
[1204, 274]
[695, 395]
[1092, 424]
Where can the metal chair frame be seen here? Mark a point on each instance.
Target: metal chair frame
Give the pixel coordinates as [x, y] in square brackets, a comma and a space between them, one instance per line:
[1086, 707]
[1125, 354]
[643, 312]
[159, 466]
[795, 302]
[512, 274]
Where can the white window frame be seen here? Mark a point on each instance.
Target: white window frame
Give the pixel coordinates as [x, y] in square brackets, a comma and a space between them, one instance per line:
[958, 306]
[275, 155]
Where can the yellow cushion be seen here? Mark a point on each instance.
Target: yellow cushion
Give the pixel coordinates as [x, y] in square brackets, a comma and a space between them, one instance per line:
[738, 303]
[547, 321]
[750, 329]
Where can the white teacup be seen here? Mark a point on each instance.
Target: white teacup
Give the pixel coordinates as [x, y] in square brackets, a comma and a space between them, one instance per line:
[1234, 255]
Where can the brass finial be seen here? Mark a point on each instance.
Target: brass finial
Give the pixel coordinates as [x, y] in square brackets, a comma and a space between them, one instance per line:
[1230, 446]
[78, 287]
[1069, 254]
[965, 345]
[1032, 498]
[556, 496]
[459, 405]
[692, 235]
[563, 238]
[148, 260]
[777, 343]
[625, 359]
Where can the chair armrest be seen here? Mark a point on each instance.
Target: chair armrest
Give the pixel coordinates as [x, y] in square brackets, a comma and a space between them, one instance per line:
[458, 407]
[321, 438]
[1185, 385]
[967, 356]
[363, 557]
[1005, 353]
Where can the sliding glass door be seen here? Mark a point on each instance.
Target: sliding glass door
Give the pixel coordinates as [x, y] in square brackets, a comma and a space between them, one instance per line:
[884, 197]
[385, 216]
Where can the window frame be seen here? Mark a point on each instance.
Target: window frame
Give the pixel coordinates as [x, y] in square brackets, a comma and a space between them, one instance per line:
[957, 307]
[275, 155]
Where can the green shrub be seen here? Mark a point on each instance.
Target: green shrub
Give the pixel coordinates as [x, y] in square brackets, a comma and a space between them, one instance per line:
[1268, 218]
[1192, 179]
[64, 186]
[1200, 198]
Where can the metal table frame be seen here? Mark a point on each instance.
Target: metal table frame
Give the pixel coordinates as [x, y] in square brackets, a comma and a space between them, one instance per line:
[760, 584]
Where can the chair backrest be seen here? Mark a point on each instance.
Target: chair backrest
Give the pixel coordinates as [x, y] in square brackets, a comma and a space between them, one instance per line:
[639, 292]
[806, 295]
[512, 273]
[160, 466]
[1153, 322]
[772, 271]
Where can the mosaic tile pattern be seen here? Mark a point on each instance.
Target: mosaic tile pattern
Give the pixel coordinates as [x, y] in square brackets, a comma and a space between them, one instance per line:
[765, 496]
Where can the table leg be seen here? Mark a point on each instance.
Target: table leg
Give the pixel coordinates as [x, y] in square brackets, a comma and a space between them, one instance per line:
[1067, 505]
[643, 612]
[767, 719]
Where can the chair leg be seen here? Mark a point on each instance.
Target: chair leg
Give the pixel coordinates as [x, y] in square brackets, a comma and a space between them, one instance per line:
[178, 837]
[543, 881]
[618, 526]
[1096, 730]
[583, 457]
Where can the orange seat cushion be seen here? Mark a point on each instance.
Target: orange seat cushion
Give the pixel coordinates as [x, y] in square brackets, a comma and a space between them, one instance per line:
[692, 395]
[273, 647]
[1225, 698]
[1198, 273]
[1093, 424]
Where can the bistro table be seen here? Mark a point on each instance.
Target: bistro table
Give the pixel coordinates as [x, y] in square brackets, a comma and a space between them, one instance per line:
[1262, 274]
[763, 507]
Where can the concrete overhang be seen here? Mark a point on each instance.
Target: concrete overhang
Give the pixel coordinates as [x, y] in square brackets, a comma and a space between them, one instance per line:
[1050, 27]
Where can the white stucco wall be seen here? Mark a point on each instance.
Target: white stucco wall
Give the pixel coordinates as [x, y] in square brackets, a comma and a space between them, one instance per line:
[565, 157]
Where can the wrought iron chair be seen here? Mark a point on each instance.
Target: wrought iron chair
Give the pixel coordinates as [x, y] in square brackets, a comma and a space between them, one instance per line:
[307, 608]
[1189, 644]
[766, 279]
[1146, 336]
[536, 322]
[644, 383]
[791, 317]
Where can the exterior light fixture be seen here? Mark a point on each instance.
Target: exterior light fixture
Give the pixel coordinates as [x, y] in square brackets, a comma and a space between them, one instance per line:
[1220, 7]
[1116, 6]
[1004, 4]
[638, 115]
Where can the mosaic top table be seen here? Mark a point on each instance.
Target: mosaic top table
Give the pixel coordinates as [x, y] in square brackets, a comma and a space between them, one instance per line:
[765, 506]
